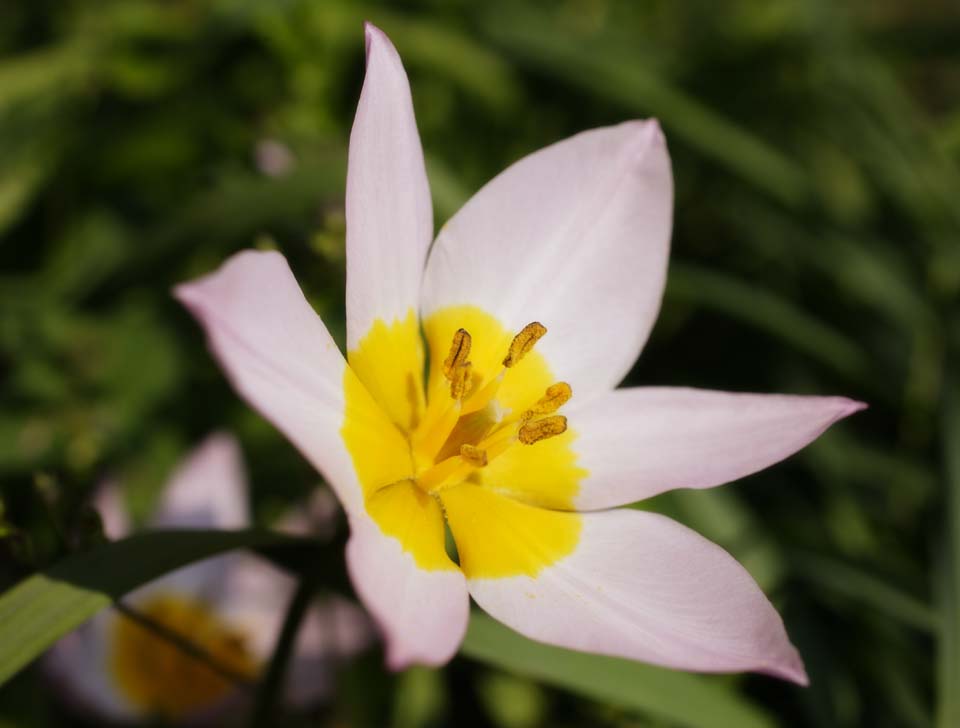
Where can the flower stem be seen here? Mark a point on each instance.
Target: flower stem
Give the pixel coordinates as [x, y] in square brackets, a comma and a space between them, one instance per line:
[271, 686]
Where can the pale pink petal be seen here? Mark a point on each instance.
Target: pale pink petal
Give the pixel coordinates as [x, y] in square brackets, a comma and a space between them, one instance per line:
[254, 597]
[317, 518]
[575, 236]
[636, 443]
[279, 356]
[79, 666]
[332, 631]
[641, 586]
[389, 213]
[422, 614]
[207, 490]
[109, 504]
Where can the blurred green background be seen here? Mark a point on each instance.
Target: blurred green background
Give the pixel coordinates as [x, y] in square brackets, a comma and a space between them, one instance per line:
[815, 148]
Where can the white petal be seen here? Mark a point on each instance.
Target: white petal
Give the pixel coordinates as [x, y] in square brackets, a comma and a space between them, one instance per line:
[109, 502]
[332, 631]
[636, 443]
[422, 614]
[575, 236]
[389, 213]
[317, 518]
[207, 490]
[79, 664]
[641, 586]
[255, 597]
[279, 356]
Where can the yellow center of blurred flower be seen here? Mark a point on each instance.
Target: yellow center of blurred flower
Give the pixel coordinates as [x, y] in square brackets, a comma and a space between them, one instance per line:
[486, 422]
[159, 677]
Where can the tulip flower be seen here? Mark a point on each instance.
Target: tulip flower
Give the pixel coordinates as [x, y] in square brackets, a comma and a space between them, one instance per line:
[231, 607]
[532, 305]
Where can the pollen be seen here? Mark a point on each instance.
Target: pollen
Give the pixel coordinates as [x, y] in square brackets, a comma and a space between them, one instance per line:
[523, 342]
[460, 380]
[531, 432]
[459, 352]
[555, 397]
[476, 456]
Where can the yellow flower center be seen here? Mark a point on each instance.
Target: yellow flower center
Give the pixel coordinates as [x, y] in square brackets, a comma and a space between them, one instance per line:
[159, 677]
[482, 443]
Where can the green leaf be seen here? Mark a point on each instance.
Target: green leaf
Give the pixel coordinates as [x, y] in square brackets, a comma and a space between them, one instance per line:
[683, 699]
[45, 606]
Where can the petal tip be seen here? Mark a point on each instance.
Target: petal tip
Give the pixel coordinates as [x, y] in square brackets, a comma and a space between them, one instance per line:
[793, 671]
[190, 293]
[654, 129]
[183, 292]
[374, 37]
[846, 407]
[369, 33]
[853, 406]
[648, 131]
[788, 665]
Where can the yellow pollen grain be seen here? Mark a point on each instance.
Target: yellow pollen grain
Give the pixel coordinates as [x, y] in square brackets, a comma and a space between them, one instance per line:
[537, 430]
[555, 397]
[476, 456]
[459, 352]
[460, 380]
[523, 342]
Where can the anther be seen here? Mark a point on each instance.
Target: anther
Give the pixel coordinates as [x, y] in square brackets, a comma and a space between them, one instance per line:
[460, 380]
[459, 353]
[531, 432]
[555, 397]
[523, 342]
[476, 456]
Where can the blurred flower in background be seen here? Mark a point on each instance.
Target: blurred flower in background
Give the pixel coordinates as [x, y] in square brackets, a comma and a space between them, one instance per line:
[230, 608]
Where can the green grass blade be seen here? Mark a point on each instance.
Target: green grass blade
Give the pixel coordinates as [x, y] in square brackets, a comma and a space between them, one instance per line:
[681, 699]
[768, 312]
[609, 69]
[862, 589]
[47, 605]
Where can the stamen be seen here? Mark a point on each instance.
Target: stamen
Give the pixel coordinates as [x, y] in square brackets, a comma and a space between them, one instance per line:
[498, 442]
[460, 380]
[436, 476]
[482, 397]
[474, 455]
[523, 342]
[537, 430]
[556, 396]
[459, 352]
